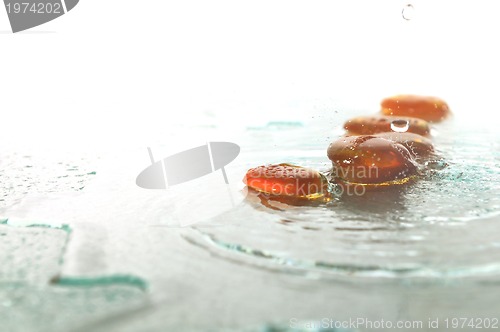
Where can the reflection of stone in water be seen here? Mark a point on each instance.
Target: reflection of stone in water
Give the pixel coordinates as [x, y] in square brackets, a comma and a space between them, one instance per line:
[383, 201]
[279, 203]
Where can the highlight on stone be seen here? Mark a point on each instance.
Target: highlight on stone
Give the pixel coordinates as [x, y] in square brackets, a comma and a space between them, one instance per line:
[377, 151]
[427, 108]
[287, 180]
[369, 125]
[370, 160]
[419, 146]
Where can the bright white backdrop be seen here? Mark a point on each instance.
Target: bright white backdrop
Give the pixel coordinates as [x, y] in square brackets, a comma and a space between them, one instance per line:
[119, 71]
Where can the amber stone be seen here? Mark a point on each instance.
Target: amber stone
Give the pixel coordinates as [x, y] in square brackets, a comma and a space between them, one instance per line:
[428, 108]
[370, 160]
[286, 180]
[417, 145]
[369, 125]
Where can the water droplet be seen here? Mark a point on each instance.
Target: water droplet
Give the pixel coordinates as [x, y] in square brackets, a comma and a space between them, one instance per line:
[436, 164]
[408, 12]
[400, 126]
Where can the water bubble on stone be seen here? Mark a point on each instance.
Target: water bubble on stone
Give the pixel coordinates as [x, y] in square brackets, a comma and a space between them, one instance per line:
[400, 126]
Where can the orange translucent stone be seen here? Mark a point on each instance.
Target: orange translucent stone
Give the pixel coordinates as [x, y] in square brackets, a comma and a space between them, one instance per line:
[427, 108]
[286, 180]
[369, 125]
[417, 145]
[370, 160]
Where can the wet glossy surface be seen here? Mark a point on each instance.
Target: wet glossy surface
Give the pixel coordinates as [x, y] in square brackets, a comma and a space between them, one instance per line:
[417, 145]
[410, 252]
[423, 107]
[369, 125]
[370, 160]
[286, 180]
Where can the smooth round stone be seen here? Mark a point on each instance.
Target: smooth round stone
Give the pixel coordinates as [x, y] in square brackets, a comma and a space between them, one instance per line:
[371, 160]
[417, 145]
[287, 180]
[428, 108]
[369, 125]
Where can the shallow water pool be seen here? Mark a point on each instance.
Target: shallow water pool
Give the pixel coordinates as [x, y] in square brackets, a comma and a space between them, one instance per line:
[408, 254]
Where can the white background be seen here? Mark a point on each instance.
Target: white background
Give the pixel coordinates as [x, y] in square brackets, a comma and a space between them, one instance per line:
[116, 71]
[127, 73]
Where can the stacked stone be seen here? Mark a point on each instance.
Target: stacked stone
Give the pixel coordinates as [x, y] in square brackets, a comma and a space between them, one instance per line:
[377, 151]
